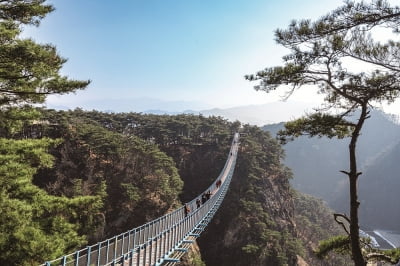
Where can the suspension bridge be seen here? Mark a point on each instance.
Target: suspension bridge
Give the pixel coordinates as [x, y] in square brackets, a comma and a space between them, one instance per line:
[164, 240]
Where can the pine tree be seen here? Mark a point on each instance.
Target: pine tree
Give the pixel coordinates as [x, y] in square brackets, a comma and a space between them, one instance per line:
[28, 71]
[320, 55]
[34, 226]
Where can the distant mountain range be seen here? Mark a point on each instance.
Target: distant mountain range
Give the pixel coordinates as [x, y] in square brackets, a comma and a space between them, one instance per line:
[139, 105]
[252, 114]
[249, 114]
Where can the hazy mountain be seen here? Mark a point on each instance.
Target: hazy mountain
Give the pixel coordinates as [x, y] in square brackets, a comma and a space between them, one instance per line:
[379, 191]
[316, 163]
[378, 188]
[250, 114]
[144, 104]
[161, 112]
[262, 114]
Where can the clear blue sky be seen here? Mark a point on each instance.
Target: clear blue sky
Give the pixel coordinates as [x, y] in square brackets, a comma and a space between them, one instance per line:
[169, 54]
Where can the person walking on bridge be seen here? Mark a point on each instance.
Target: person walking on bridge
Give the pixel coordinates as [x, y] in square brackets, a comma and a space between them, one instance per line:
[208, 195]
[198, 203]
[186, 210]
[203, 198]
[218, 183]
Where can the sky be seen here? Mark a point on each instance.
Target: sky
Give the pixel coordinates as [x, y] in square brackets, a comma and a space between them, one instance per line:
[170, 55]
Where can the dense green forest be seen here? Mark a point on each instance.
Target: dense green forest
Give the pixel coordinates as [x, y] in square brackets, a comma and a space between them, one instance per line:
[100, 174]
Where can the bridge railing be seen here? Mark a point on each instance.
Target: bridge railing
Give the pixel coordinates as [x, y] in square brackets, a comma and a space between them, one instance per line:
[153, 242]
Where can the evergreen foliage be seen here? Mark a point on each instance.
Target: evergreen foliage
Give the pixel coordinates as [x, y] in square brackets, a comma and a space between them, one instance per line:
[268, 239]
[35, 225]
[29, 71]
[163, 130]
[317, 124]
[339, 244]
[140, 181]
[314, 223]
[394, 254]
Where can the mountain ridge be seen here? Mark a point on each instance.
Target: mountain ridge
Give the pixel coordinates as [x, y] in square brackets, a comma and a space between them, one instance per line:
[316, 163]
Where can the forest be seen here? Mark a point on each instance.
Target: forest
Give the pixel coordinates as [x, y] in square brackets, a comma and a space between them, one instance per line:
[101, 174]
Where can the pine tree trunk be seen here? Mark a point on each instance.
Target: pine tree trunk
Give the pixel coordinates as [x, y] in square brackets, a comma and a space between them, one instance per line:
[354, 228]
[354, 203]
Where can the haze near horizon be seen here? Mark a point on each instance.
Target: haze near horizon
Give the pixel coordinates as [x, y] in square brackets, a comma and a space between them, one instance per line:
[172, 56]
